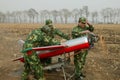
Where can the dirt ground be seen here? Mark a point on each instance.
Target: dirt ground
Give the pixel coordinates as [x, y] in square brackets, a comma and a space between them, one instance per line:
[103, 61]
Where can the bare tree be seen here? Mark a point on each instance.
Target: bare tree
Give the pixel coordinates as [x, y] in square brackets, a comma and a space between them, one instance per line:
[44, 14]
[108, 15]
[65, 13]
[81, 12]
[75, 14]
[2, 17]
[60, 16]
[11, 15]
[17, 15]
[85, 11]
[32, 13]
[25, 16]
[94, 16]
[104, 15]
[54, 14]
[7, 17]
[117, 15]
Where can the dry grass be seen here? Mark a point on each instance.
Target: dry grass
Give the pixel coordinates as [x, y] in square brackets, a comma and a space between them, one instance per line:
[99, 66]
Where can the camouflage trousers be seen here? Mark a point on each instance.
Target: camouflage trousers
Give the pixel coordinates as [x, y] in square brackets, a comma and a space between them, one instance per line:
[32, 65]
[79, 61]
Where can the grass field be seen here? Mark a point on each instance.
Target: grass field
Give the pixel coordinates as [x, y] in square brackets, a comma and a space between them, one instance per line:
[103, 61]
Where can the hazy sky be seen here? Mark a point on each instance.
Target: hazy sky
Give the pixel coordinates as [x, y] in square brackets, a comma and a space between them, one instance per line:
[13, 5]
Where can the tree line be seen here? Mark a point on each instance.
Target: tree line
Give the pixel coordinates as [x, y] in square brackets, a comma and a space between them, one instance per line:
[105, 16]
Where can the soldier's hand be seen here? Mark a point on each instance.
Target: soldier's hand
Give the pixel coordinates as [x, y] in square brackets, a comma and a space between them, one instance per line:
[64, 45]
[86, 31]
[88, 23]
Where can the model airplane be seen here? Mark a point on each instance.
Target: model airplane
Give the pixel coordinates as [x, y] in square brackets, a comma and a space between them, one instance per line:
[55, 50]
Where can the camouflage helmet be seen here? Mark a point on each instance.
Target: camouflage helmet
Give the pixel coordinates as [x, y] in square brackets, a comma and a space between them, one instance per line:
[47, 22]
[82, 19]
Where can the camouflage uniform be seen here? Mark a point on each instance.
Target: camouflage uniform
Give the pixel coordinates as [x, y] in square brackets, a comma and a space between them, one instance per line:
[51, 31]
[79, 59]
[38, 38]
[32, 63]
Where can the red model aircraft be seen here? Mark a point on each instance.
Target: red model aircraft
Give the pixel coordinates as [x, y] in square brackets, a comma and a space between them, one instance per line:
[51, 51]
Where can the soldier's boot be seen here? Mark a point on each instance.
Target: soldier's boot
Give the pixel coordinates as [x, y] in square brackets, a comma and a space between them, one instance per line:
[82, 75]
[78, 78]
[41, 79]
[24, 76]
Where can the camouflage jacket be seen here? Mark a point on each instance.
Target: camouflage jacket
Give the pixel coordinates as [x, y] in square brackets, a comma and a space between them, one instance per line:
[37, 39]
[76, 31]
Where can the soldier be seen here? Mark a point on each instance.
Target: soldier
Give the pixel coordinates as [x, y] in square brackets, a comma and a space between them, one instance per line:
[40, 37]
[82, 29]
[51, 31]
[32, 62]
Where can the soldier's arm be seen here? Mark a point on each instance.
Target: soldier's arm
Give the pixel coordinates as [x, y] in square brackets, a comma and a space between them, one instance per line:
[76, 32]
[61, 34]
[90, 27]
[33, 38]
